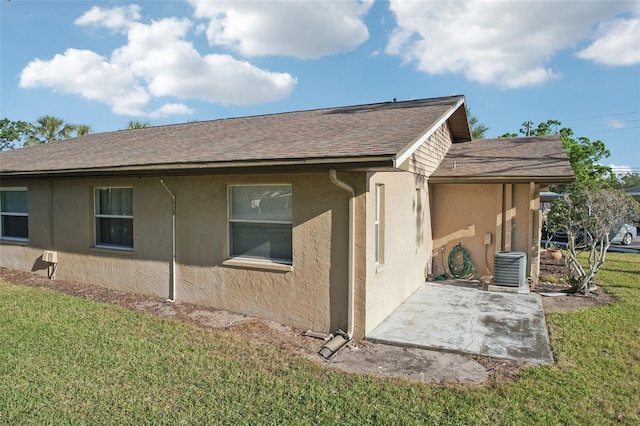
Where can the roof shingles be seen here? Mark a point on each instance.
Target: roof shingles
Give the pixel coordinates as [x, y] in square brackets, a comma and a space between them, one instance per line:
[345, 132]
[530, 158]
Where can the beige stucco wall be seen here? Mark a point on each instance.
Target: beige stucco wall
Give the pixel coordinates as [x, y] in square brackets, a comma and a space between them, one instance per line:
[465, 213]
[312, 294]
[407, 243]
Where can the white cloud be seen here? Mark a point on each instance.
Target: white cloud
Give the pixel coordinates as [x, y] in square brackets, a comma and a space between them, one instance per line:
[508, 44]
[302, 29]
[116, 18]
[171, 109]
[171, 66]
[85, 73]
[621, 170]
[158, 61]
[618, 43]
[616, 123]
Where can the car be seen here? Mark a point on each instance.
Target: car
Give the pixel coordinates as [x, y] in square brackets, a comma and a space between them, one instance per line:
[625, 236]
[561, 238]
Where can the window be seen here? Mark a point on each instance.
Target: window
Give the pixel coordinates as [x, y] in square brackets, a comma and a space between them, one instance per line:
[378, 223]
[114, 218]
[260, 223]
[14, 223]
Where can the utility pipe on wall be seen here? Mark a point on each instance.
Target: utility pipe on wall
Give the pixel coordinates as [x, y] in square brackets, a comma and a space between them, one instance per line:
[172, 288]
[350, 300]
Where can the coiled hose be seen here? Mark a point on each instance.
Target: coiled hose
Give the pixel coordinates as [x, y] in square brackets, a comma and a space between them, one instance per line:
[460, 265]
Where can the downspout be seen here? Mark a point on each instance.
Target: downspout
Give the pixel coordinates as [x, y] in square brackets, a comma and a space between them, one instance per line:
[172, 288]
[51, 237]
[341, 338]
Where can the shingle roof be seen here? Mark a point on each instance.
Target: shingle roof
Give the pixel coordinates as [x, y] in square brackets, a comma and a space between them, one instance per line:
[354, 132]
[539, 159]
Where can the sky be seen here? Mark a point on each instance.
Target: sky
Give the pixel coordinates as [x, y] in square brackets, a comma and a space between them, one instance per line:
[105, 63]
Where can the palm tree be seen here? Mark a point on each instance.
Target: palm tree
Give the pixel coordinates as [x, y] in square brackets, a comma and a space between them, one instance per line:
[82, 129]
[48, 129]
[138, 124]
[478, 130]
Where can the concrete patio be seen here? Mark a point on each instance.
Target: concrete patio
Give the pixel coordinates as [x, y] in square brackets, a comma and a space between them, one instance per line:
[470, 321]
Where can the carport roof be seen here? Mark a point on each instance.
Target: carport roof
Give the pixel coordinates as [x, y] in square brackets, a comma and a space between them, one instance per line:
[530, 159]
[364, 136]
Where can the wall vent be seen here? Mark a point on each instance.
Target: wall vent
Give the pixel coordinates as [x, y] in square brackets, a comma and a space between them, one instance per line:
[509, 268]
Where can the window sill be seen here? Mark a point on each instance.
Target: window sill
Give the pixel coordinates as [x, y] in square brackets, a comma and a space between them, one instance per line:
[257, 264]
[379, 268]
[14, 241]
[112, 250]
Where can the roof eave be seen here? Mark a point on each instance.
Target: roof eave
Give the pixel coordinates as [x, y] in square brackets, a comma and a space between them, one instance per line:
[547, 180]
[295, 165]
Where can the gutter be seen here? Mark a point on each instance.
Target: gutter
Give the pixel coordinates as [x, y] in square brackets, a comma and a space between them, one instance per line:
[189, 168]
[172, 287]
[502, 179]
[341, 338]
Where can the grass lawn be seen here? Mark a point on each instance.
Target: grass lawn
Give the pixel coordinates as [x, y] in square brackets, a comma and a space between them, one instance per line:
[65, 360]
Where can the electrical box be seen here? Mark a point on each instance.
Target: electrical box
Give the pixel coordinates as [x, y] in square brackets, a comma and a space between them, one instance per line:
[50, 256]
[487, 238]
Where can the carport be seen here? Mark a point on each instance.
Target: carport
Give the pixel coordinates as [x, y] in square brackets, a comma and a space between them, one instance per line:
[470, 321]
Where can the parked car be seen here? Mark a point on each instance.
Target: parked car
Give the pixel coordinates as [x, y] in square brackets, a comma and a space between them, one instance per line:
[626, 235]
[561, 238]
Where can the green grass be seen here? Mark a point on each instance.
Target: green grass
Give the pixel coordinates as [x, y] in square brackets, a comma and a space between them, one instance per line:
[65, 360]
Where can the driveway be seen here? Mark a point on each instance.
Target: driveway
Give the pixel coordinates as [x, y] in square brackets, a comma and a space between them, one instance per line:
[469, 321]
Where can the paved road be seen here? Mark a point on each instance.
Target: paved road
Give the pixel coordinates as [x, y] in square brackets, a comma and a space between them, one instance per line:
[634, 247]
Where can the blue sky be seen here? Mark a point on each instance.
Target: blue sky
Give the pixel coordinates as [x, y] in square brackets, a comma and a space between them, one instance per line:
[104, 63]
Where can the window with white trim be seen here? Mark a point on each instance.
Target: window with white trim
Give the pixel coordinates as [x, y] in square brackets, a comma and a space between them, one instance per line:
[378, 223]
[260, 224]
[113, 218]
[14, 214]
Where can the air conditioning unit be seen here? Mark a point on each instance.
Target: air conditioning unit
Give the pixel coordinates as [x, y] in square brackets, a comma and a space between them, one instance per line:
[50, 256]
[509, 268]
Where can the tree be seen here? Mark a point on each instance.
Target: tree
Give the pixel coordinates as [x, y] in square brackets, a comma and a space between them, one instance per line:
[82, 129]
[10, 132]
[590, 218]
[628, 180]
[478, 130]
[583, 154]
[48, 129]
[138, 124]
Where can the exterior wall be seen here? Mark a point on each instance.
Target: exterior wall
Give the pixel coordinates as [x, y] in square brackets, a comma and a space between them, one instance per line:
[311, 294]
[426, 159]
[407, 243]
[465, 213]
[26, 256]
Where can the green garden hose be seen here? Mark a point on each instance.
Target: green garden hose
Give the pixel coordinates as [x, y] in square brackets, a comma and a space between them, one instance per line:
[460, 265]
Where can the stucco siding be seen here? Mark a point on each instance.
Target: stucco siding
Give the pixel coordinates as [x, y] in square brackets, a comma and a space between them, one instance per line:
[407, 243]
[426, 159]
[466, 213]
[310, 294]
[463, 214]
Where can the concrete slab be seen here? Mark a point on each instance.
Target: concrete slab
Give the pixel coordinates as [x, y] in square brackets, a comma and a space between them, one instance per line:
[468, 320]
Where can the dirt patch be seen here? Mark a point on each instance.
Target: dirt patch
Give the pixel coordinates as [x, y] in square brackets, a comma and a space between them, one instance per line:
[556, 292]
[357, 357]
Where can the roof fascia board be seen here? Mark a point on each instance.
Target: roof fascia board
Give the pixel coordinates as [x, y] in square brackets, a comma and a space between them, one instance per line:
[406, 152]
[361, 163]
[507, 179]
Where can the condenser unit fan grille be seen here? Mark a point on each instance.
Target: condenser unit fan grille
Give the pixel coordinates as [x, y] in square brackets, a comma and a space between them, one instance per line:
[510, 268]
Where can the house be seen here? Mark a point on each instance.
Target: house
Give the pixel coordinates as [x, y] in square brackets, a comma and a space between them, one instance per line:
[324, 219]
